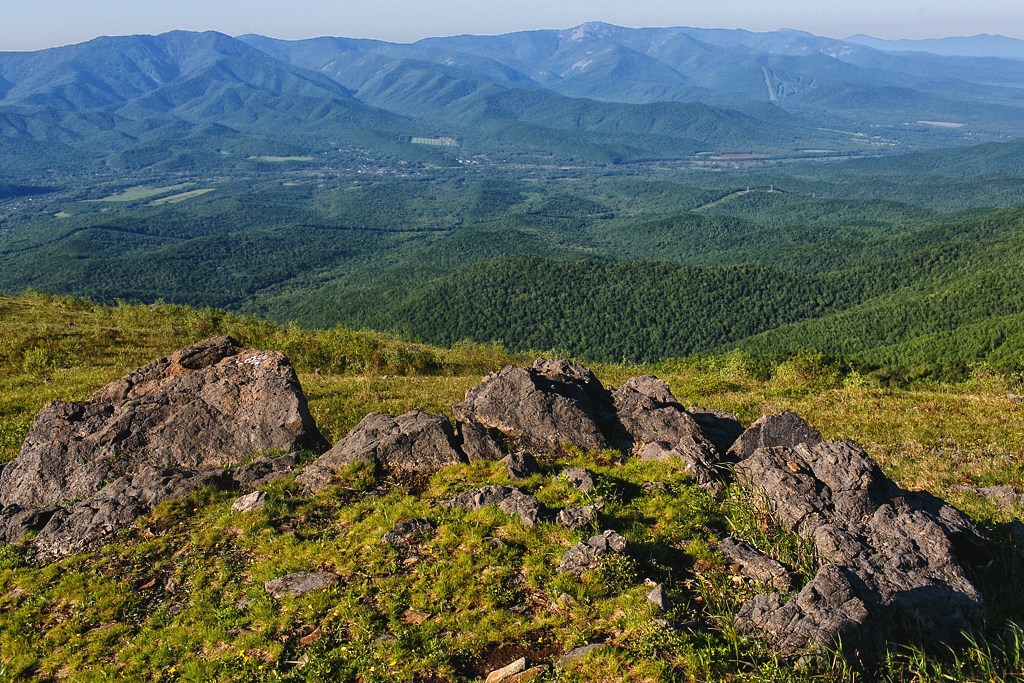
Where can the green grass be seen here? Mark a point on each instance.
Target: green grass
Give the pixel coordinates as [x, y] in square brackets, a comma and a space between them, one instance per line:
[179, 596]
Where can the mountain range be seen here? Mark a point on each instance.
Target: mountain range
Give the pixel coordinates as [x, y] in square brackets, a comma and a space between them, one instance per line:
[595, 92]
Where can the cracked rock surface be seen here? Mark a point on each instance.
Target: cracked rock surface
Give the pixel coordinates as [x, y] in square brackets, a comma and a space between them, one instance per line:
[886, 554]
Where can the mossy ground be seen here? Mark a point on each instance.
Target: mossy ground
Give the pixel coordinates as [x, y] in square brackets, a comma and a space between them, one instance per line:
[180, 595]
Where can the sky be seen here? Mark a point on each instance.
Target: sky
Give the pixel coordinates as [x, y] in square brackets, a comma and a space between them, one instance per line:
[37, 24]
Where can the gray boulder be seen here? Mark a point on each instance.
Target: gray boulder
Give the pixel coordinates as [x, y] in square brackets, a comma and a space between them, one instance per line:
[576, 518]
[589, 555]
[250, 502]
[699, 461]
[116, 506]
[886, 554]
[521, 465]
[414, 443]
[542, 407]
[578, 478]
[209, 405]
[782, 429]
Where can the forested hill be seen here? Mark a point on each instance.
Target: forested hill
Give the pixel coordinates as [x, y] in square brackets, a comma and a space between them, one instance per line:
[952, 295]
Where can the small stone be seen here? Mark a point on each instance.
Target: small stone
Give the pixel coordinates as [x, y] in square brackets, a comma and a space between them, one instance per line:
[658, 598]
[414, 617]
[578, 478]
[530, 674]
[576, 518]
[521, 465]
[652, 488]
[663, 623]
[577, 654]
[408, 533]
[256, 500]
[311, 638]
[300, 583]
[584, 557]
[516, 667]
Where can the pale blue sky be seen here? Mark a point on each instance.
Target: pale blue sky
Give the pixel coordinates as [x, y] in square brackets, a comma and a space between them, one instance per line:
[35, 24]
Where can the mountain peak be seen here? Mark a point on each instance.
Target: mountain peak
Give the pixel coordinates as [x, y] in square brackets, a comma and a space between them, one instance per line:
[591, 30]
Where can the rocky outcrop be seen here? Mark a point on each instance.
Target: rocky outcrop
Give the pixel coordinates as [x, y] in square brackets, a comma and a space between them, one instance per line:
[414, 443]
[478, 442]
[540, 407]
[209, 405]
[16, 521]
[887, 554]
[781, 429]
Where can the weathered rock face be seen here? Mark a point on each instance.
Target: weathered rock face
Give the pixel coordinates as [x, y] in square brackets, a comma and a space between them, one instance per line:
[264, 470]
[719, 427]
[16, 521]
[753, 564]
[208, 405]
[886, 553]
[413, 443]
[542, 407]
[116, 506]
[782, 429]
[478, 442]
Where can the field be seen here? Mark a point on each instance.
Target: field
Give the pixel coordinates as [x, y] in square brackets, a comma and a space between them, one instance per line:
[137, 193]
[175, 198]
[273, 159]
[180, 597]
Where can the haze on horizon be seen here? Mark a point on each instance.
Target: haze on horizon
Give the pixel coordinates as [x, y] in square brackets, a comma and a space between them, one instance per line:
[37, 24]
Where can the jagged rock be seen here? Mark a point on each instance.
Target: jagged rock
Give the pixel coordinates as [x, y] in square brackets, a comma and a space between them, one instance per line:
[413, 443]
[257, 500]
[16, 521]
[482, 497]
[578, 478]
[509, 500]
[648, 413]
[116, 506]
[885, 552]
[719, 427]
[577, 518]
[658, 598]
[409, 533]
[586, 556]
[544, 406]
[478, 442]
[208, 405]
[521, 465]
[753, 564]
[528, 508]
[264, 470]
[781, 429]
[1004, 496]
[506, 672]
[577, 654]
[300, 583]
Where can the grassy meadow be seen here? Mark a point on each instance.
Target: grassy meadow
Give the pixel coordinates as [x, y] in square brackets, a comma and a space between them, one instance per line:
[180, 596]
